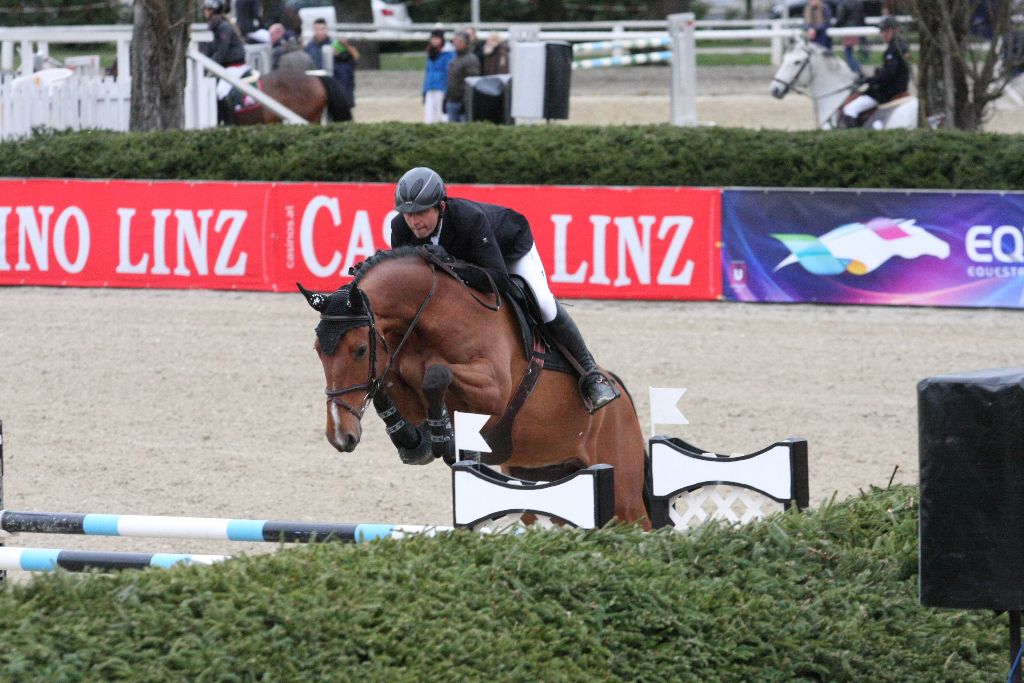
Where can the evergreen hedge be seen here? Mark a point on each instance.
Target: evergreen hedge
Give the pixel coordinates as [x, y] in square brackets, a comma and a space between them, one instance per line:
[545, 154]
[826, 595]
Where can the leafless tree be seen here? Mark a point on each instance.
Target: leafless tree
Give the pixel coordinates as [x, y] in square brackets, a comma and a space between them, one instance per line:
[969, 53]
[160, 36]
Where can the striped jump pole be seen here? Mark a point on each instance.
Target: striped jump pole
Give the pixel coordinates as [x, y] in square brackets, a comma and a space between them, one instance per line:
[599, 46]
[626, 60]
[51, 559]
[204, 528]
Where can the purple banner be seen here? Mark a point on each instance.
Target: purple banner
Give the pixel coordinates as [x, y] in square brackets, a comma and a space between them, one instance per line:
[874, 247]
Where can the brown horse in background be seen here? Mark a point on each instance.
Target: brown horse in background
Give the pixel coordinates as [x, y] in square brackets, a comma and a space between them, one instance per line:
[409, 337]
[306, 95]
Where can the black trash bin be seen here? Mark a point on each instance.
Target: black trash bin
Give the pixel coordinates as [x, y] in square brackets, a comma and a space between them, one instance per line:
[489, 98]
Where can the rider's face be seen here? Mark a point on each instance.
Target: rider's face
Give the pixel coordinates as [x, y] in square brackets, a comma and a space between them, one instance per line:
[422, 223]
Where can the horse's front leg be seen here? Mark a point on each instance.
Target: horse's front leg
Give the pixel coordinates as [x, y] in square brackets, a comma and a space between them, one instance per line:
[414, 447]
[436, 381]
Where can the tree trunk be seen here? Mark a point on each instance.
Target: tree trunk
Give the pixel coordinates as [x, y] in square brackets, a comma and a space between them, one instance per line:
[960, 73]
[159, 43]
[359, 12]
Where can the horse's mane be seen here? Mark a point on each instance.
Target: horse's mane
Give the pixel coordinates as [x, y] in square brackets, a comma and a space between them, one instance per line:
[383, 255]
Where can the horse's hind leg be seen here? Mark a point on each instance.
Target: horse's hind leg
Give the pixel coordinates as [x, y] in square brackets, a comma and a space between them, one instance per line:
[436, 381]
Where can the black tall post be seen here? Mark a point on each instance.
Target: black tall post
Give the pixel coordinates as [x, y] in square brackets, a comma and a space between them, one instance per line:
[3, 573]
[1015, 643]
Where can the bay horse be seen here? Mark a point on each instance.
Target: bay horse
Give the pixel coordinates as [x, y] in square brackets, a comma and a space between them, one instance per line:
[305, 94]
[812, 70]
[418, 342]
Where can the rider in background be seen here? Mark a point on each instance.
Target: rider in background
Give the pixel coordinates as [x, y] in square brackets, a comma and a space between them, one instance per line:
[226, 49]
[498, 240]
[888, 81]
[817, 19]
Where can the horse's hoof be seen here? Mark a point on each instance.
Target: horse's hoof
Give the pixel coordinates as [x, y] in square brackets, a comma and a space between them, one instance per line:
[422, 454]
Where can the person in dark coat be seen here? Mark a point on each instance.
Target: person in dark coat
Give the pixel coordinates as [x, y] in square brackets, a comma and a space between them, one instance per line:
[464, 64]
[888, 81]
[227, 50]
[851, 13]
[500, 241]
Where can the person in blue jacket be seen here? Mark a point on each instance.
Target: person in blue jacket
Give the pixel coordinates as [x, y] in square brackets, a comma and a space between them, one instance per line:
[435, 80]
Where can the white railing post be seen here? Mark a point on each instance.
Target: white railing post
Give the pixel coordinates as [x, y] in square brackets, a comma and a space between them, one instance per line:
[124, 60]
[776, 44]
[617, 48]
[7, 56]
[684, 69]
[28, 61]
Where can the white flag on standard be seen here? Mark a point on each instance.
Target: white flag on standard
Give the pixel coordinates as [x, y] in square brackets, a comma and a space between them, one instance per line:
[467, 432]
[663, 407]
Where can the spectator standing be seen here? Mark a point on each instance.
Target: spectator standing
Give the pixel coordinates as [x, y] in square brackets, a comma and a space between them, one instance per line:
[476, 45]
[249, 21]
[346, 59]
[435, 80]
[495, 59]
[817, 19]
[851, 13]
[281, 41]
[464, 65]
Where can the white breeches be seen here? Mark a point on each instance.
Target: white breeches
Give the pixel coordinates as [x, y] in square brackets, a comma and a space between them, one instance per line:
[260, 35]
[433, 107]
[223, 87]
[531, 269]
[856, 107]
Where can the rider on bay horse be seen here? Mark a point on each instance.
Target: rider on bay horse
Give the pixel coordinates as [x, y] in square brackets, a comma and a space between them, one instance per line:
[227, 50]
[498, 240]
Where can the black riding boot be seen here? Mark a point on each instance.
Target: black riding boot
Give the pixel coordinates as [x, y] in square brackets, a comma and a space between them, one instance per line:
[225, 112]
[597, 390]
[848, 122]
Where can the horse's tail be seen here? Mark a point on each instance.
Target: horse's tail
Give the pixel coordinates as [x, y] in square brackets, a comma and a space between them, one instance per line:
[656, 516]
[338, 108]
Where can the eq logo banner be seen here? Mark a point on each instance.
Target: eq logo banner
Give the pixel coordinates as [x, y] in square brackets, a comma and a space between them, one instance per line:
[875, 247]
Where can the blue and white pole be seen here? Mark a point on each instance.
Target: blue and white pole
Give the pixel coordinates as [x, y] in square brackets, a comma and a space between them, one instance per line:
[208, 528]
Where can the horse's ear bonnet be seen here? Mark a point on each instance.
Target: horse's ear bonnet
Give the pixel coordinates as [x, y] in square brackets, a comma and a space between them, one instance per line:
[347, 301]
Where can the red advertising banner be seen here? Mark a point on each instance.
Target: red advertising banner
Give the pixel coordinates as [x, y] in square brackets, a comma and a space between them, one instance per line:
[596, 242]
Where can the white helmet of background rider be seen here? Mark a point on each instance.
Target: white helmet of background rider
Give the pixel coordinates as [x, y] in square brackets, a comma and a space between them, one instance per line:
[419, 189]
[215, 6]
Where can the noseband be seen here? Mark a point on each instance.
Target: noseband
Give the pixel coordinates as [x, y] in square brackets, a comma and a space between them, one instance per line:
[373, 383]
[788, 85]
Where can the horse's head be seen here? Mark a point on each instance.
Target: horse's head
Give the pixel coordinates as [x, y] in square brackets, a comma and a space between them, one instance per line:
[793, 72]
[348, 354]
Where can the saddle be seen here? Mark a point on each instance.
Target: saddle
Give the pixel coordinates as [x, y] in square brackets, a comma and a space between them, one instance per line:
[531, 329]
[519, 298]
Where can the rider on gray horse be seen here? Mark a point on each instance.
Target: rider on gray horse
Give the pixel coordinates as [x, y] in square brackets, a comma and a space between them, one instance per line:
[889, 80]
[498, 240]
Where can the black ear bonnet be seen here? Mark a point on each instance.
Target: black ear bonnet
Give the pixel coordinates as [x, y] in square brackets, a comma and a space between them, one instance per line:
[347, 301]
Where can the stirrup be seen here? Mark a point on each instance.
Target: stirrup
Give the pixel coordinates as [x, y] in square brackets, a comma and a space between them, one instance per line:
[597, 391]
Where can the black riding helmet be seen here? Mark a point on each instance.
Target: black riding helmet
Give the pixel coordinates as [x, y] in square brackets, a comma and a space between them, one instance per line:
[419, 189]
[215, 6]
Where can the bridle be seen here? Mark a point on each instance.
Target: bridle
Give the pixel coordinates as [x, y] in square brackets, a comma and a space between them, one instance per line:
[787, 86]
[374, 383]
